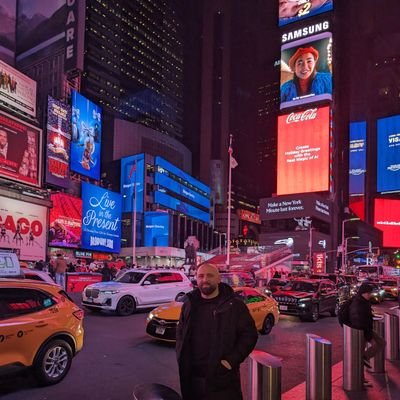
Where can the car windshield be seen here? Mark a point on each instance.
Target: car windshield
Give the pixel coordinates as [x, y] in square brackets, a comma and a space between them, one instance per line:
[277, 282]
[308, 287]
[131, 277]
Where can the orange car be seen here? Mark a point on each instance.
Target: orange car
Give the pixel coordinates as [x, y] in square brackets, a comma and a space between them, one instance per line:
[162, 321]
[40, 327]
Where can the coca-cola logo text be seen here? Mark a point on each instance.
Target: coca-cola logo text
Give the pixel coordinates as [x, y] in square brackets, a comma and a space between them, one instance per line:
[306, 115]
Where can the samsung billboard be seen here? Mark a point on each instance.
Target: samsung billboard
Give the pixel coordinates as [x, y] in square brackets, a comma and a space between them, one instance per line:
[132, 174]
[388, 157]
[357, 157]
[156, 228]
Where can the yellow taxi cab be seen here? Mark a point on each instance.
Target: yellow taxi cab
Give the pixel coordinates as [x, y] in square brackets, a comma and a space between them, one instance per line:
[162, 321]
[40, 327]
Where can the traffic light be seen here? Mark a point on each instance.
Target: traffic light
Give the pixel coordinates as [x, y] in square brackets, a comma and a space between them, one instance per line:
[397, 259]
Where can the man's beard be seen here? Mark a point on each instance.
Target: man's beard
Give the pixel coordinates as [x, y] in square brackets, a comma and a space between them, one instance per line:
[207, 289]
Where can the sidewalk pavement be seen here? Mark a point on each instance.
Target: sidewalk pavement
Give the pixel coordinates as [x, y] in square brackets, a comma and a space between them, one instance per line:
[385, 386]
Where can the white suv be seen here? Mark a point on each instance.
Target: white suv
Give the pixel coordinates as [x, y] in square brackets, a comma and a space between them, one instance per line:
[136, 288]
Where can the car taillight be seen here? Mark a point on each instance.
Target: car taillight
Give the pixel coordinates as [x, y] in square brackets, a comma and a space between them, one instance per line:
[79, 314]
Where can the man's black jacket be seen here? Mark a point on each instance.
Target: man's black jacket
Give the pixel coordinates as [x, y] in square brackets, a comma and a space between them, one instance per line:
[233, 339]
[361, 316]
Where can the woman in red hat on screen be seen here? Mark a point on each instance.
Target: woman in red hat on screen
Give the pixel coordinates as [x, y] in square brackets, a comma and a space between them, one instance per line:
[306, 80]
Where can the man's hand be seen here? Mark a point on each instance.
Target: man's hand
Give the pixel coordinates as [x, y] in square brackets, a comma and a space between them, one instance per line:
[226, 364]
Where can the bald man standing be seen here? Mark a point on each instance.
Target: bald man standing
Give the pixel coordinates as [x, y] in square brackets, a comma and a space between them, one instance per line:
[215, 334]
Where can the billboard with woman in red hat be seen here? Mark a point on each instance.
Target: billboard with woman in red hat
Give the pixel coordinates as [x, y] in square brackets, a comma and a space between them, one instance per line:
[306, 70]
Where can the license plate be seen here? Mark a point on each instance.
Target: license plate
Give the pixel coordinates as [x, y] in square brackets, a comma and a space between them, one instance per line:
[283, 308]
[160, 330]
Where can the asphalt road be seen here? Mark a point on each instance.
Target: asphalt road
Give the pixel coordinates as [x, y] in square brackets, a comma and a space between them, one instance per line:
[117, 356]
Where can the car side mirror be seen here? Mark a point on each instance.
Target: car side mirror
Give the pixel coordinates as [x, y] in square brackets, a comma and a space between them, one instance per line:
[146, 283]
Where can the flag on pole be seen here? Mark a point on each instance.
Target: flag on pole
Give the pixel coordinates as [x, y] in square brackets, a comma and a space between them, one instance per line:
[133, 169]
[232, 162]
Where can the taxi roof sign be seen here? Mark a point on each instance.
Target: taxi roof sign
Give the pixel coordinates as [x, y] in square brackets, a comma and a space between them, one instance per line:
[9, 265]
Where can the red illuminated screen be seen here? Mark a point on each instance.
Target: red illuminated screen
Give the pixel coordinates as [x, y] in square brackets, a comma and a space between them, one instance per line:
[387, 219]
[303, 151]
[65, 221]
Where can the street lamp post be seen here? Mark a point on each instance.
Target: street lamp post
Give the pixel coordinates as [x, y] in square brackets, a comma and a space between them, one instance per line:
[345, 250]
[343, 239]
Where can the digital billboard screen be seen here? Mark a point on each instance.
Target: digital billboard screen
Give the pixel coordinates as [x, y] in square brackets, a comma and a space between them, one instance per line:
[180, 206]
[357, 157]
[101, 219]
[132, 173]
[165, 165]
[387, 219]
[23, 228]
[306, 70]
[65, 227]
[156, 228]
[20, 155]
[388, 157]
[296, 10]
[58, 142]
[163, 180]
[304, 151]
[86, 136]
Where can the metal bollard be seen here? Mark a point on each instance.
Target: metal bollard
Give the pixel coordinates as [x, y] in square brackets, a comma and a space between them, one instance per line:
[378, 362]
[265, 376]
[353, 350]
[392, 336]
[319, 368]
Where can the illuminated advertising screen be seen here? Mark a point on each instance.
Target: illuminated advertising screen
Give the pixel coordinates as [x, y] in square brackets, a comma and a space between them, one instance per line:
[179, 174]
[101, 219]
[387, 219]
[20, 155]
[8, 13]
[132, 173]
[304, 151]
[166, 182]
[86, 136]
[388, 157]
[156, 228]
[180, 206]
[23, 228]
[306, 70]
[58, 142]
[357, 205]
[17, 90]
[296, 10]
[357, 157]
[65, 228]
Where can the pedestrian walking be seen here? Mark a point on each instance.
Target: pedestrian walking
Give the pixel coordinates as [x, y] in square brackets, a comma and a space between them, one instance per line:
[361, 317]
[215, 334]
[60, 268]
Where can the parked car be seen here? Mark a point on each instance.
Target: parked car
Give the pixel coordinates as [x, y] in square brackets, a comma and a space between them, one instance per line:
[40, 327]
[378, 293]
[275, 284]
[308, 298]
[162, 321]
[135, 289]
[389, 285]
[37, 275]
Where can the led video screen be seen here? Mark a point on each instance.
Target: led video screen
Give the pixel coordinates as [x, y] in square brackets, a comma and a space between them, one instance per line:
[387, 219]
[306, 70]
[296, 10]
[58, 142]
[180, 206]
[388, 157]
[357, 157]
[86, 136]
[20, 150]
[304, 151]
[132, 173]
[65, 228]
[101, 219]
[156, 228]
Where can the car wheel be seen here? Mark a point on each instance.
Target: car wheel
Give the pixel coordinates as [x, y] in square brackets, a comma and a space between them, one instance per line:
[179, 296]
[314, 313]
[126, 306]
[53, 362]
[268, 324]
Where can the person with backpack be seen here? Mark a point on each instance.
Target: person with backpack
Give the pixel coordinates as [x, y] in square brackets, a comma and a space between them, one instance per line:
[360, 317]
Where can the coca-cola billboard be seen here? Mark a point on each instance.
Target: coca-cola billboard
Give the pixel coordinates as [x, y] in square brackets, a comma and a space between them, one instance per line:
[304, 151]
[306, 70]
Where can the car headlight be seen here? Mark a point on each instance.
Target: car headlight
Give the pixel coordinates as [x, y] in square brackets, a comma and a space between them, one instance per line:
[301, 300]
[109, 291]
[150, 316]
[381, 292]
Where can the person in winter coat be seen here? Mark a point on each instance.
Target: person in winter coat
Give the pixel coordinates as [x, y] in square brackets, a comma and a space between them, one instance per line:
[106, 272]
[215, 334]
[361, 317]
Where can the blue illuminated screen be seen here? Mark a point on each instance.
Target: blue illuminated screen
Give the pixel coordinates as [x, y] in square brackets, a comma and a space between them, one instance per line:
[156, 228]
[357, 157]
[132, 171]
